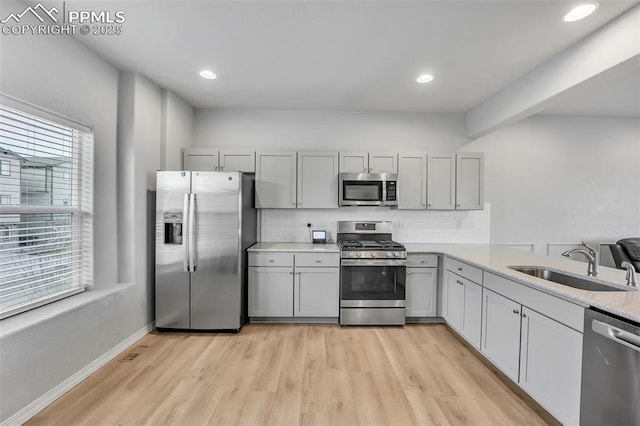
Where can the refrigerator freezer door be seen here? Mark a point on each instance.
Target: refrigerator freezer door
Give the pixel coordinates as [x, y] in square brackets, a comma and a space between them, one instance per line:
[172, 281]
[216, 283]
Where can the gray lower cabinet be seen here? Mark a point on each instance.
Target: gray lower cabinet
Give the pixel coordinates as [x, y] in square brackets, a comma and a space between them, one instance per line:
[288, 285]
[462, 306]
[421, 285]
[542, 355]
[316, 292]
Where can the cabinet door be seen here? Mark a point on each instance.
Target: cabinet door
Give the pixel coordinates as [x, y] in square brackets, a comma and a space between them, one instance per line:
[472, 315]
[469, 181]
[501, 332]
[200, 159]
[237, 161]
[317, 180]
[412, 180]
[276, 180]
[354, 162]
[316, 292]
[453, 300]
[441, 182]
[270, 292]
[550, 365]
[383, 162]
[421, 292]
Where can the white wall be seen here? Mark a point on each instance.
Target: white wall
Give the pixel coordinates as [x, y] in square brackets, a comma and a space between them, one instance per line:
[328, 130]
[409, 226]
[44, 352]
[563, 179]
[177, 117]
[41, 349]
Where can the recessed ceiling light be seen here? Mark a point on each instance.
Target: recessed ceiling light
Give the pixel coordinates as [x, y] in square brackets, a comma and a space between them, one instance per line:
[209, 75]
[424, 78]
[580, 12]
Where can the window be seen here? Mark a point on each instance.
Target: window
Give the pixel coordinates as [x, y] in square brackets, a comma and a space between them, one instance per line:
[46, 217]
[5, 168]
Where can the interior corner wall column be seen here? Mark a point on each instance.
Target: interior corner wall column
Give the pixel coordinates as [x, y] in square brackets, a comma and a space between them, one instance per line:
[609, 46]
[125, 176]
[177, 130]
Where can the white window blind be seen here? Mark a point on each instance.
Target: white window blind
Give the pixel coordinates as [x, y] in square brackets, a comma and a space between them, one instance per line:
[46, 188]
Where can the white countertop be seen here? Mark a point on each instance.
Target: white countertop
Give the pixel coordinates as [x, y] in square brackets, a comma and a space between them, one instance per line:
[496, 259]
[299, 247]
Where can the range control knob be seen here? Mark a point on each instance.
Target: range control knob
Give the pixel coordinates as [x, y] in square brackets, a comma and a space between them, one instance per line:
[359, 254]
[389, 254]
[397, 254]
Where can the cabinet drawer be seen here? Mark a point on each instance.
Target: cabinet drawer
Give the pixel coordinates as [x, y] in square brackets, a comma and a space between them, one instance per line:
[270, 259]
[464, 270]
[422, 260]
[317, 259]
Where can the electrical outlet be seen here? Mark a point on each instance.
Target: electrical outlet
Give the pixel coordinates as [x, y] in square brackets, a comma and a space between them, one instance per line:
[459, 224]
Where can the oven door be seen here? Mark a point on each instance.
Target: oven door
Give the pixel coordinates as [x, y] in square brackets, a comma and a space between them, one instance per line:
[372, 283]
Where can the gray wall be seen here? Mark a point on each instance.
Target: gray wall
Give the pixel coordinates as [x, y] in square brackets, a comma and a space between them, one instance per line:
[563, 179]
[328, 130]
[554, 179]
[44, 351]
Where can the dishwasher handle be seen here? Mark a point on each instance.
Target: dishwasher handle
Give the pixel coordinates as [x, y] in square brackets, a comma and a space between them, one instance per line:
[622, 337]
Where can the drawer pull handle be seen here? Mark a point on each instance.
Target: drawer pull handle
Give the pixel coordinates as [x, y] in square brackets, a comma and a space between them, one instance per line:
[271, 260]
[459, 269]
[515, 311]
[318, 261]
[459, 282]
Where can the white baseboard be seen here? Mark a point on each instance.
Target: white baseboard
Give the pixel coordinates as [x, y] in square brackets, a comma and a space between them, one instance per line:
[45, 400]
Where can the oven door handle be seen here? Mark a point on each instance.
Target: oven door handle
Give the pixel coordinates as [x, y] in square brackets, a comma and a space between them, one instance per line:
[373, 262]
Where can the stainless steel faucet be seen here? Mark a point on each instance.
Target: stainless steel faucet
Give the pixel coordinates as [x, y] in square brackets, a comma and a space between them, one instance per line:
[632, 281]
[592, 257]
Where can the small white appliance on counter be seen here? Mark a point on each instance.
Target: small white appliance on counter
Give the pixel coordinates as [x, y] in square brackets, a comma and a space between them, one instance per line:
[205, 221]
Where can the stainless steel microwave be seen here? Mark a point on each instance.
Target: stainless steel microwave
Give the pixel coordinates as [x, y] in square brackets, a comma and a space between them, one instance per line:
[368, 189]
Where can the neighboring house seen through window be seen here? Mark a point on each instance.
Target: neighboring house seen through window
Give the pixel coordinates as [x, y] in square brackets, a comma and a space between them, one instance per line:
[46, 182]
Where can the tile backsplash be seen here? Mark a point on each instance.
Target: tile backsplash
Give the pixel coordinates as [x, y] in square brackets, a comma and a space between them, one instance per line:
[409, 226]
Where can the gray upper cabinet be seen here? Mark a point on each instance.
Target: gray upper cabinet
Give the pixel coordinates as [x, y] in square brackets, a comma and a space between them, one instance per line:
[237, 161]
[317, 180]
[469, 181]
[276, 180]
[212, 159]
[354, 162]
[368, 162]
[412, 180]
[455, 181]
[441, 182]
[383, 162]
[200, 159]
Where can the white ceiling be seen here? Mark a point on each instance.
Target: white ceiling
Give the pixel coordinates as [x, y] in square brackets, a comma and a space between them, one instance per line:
[349, 55]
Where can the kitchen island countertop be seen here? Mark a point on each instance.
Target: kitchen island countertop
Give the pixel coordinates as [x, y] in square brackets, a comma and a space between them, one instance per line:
[497, 259]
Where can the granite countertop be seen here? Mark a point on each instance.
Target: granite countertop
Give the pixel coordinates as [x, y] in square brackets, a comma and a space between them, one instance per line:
[496, 259]
[295, 247]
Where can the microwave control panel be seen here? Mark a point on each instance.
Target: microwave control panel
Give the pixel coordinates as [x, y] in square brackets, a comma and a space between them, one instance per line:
[391, 190]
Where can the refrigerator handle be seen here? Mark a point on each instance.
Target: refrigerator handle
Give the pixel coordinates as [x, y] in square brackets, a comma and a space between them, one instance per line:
[192, 232]
[185, 222]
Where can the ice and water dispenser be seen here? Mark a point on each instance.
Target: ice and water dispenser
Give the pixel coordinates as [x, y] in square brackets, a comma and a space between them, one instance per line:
[173, 227]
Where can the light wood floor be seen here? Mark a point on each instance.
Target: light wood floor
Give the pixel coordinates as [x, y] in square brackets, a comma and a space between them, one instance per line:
[294, 374]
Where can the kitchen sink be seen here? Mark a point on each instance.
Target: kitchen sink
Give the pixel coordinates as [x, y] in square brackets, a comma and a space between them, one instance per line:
[568, 279]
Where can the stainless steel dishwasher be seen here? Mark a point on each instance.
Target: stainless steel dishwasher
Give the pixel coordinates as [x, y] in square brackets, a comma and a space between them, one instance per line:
[610, 371]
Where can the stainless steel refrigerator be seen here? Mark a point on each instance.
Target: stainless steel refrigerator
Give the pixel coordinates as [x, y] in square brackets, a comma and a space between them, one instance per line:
[205, 221]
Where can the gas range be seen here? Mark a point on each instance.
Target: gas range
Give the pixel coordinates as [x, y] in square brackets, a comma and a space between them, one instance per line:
[372, 274]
